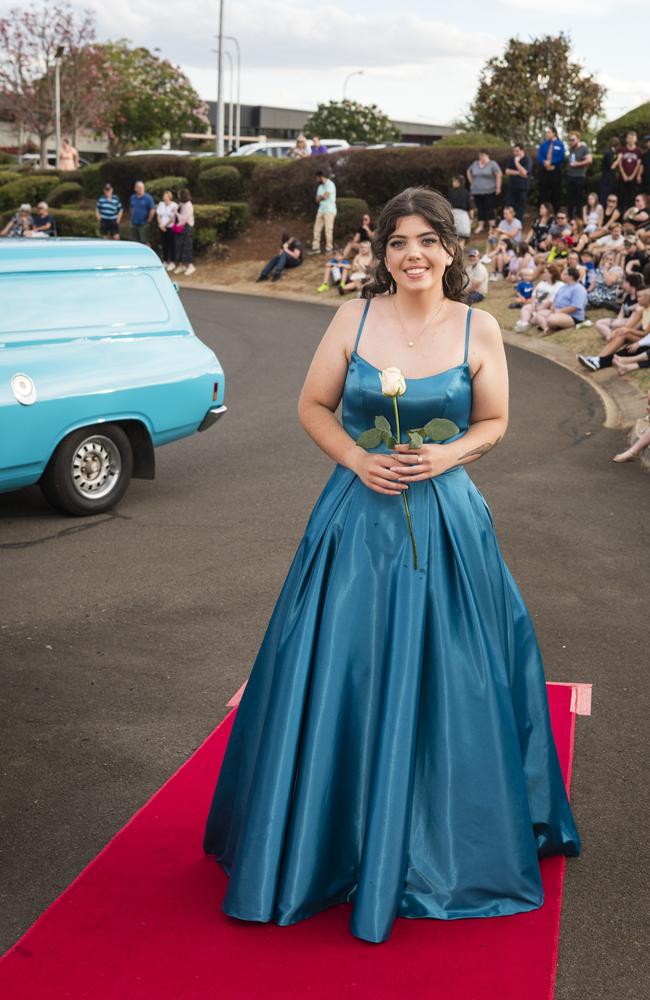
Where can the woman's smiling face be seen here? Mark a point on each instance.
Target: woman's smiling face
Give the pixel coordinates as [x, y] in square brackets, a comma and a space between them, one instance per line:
[415, 255]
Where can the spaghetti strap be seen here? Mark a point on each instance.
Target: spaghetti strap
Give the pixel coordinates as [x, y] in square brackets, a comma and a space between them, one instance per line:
[363, 320]
[467, 322]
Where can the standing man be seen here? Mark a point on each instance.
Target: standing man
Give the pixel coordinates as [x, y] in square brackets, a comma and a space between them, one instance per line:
[142, 212]
[109, 212]
[326, 199]
[518, 171]
[645, 161]
[317, 147]
[576, 176]
[630, 168]
[550, 159]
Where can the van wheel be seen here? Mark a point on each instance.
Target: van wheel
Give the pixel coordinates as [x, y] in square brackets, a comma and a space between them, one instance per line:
[89, 471]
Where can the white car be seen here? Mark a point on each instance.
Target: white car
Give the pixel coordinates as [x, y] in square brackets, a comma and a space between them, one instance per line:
[159, 152]
[279, 148]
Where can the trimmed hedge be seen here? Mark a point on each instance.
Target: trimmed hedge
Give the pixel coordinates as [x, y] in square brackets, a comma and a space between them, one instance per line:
[349, 212]
[65, 194]
[91, 180]
[173, 184]
[124, 171]
[637, 120]
[477, 140]
[28, 189]
[76, 222]
[220, 183]
[7, 158]
[7, 176]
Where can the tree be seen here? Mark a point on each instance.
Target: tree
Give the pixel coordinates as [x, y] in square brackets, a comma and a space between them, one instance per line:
[149, 97]
[534, 84]
[636, 120]
[352, 121]
[29, 40]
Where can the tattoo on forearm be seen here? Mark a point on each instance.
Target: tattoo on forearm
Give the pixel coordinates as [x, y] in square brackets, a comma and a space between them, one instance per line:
[482, 449]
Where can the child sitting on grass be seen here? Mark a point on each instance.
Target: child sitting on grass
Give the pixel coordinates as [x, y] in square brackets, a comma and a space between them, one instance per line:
[523, 289]
[337, 268]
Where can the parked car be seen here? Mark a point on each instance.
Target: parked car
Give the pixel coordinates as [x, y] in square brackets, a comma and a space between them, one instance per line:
[35, 159]
[99, 366]
[279, 148]
[159, 152]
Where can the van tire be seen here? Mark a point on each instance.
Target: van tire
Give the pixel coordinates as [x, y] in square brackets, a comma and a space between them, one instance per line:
[92, 459]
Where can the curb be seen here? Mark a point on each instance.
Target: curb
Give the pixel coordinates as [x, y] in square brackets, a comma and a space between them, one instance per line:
[623, 403]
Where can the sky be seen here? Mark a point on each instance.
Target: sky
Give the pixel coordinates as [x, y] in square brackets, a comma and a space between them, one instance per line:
[420, 58]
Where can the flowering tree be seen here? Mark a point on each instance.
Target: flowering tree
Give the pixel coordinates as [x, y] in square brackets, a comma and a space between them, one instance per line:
[352, 121]
[148, 97]
[29, 39]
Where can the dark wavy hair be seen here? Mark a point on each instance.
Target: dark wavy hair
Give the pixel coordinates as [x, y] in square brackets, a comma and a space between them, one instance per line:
[437, 211]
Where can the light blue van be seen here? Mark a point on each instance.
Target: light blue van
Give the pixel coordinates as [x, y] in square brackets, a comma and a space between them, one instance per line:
[99, 365]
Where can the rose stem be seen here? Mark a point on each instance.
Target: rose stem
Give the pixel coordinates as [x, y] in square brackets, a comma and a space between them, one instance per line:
[406, 503]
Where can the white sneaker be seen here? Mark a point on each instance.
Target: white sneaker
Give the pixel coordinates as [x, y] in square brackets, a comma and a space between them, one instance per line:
[486, 259]
[520, 326]
[494, 277]
[179, 269]
[590, 361]
[169, 266]
[190, 269]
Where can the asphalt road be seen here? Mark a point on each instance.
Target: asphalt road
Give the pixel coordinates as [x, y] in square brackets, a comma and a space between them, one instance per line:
[122, 637]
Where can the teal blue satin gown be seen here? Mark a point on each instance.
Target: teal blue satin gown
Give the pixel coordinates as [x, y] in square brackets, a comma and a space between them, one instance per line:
[393, 746]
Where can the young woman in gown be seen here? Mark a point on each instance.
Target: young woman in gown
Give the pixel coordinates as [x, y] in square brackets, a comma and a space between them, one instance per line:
[393, 748]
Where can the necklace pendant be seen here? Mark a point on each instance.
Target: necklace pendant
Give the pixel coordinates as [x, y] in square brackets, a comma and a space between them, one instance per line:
[410, 343]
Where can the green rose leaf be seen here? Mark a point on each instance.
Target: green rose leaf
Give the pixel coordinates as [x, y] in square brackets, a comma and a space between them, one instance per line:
[388, 439]
[439, 429]
[370, 438]
[415, 439]
[382, 424]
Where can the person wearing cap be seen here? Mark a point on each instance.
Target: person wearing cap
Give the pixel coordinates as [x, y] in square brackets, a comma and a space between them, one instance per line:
[108, 212]
[326, 213]
[20, 223]
[478, 278]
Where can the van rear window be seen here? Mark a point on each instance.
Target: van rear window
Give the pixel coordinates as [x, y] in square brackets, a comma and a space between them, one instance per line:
[60, 302]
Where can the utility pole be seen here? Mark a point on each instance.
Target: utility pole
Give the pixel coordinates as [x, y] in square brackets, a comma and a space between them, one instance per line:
[218, 125]
[231, 92]
[57, 103]
[231, 38]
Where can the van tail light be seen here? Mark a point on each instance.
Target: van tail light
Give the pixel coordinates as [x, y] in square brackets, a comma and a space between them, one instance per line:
[215, 392]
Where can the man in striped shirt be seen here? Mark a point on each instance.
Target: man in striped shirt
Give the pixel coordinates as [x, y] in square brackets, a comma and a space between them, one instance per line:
[109, 213]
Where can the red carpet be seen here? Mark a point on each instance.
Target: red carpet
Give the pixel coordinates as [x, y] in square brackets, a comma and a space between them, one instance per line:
[143, 921]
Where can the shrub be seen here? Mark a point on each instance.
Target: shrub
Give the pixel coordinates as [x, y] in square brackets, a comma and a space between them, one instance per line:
[348, 217]
[7, 176]
[7, 158]
[91, 180]
[220, 184]
[124, 171]
[375, 175]
[476, 140]
[638, 120]
[65, 193]
[76, 222]
[227, 220]
[28, 189]
[173, 184]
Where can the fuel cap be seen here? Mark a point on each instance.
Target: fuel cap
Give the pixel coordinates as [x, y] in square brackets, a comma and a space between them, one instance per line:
[23, 389]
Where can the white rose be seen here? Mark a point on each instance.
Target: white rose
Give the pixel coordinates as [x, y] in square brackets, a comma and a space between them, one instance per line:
[392, 381]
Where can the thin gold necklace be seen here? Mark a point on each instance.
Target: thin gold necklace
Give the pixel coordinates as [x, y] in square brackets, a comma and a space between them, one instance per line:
[409, 342]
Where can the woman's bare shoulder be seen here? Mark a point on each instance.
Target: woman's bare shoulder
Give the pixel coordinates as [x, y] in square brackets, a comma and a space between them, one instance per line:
[484, 328]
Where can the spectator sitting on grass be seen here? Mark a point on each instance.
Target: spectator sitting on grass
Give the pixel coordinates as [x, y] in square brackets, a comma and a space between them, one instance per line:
[606, 288]
[592, 214]
[607, 326]
[523, 289]
[290, 255]
[364, 233]
[361, 272]
[336, 271]
[109, 212]
[568, 307]
[635, 449]
[637, 329]
[578, 235]
[560, 225]
[510, 225]
[500, 259]
[589, 265]
[573, 260]
[522, 260]
[543, 295]
[636, 259]
[459, 198]
[611, 215]
[559, 251]
[477, 276]
[637, 216]
[20, 223]
[537, 236]
[631, 362]
[44, 222]
[614, 240]
[142, 212]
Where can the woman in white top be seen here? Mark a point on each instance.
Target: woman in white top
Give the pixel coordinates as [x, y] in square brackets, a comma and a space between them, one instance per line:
[166, 214]
[592, 214]
[184, 231]
[545, 291]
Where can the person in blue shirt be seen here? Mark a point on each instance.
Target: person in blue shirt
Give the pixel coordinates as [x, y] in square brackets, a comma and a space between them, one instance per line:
[550, 162]
[143, 210]
[317, 147]
[108, 212]
[568, 308]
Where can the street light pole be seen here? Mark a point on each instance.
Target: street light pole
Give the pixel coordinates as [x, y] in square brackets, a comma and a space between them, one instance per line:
[231, 38]
[356, 72]
[231, 101]
[218, 125]
[57, 103]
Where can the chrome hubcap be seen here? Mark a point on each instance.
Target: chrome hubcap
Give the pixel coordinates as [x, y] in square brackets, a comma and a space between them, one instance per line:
[96, 467]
